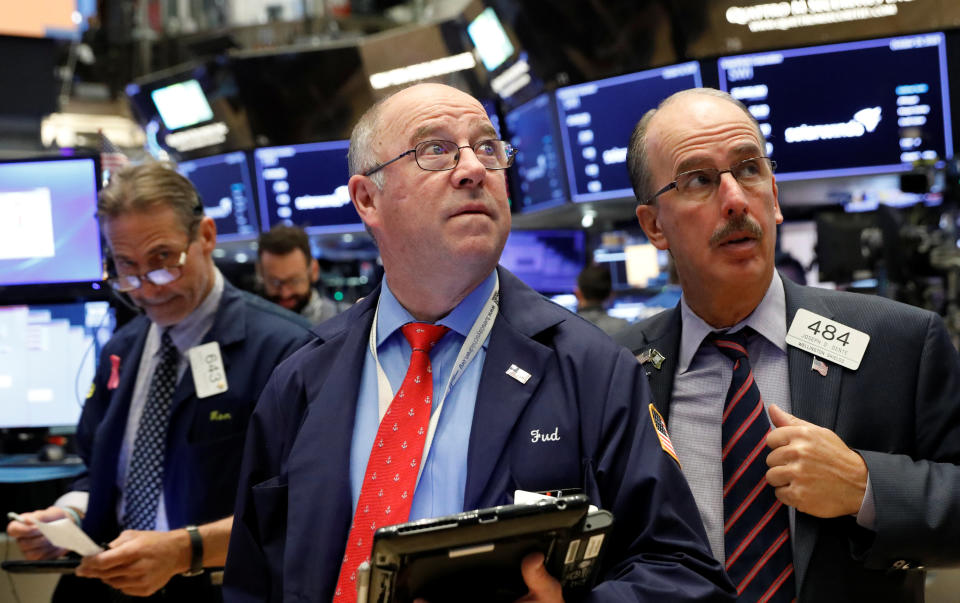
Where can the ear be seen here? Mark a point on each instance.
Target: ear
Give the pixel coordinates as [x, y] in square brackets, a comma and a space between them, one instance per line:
[364, 194]
[776, 202]
[649, 218]
[208, 234]
[314, 270]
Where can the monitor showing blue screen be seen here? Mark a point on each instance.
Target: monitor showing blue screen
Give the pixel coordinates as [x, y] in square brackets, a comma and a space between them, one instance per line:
[306, 185]
[224, 184]
[859, 108]
[538, 167]
[48, 354]
[48, 225]
[549, 261]
[597, 118]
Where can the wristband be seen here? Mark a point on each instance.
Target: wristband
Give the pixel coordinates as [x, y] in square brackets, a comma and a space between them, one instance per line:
[72, 513]
[196, 552]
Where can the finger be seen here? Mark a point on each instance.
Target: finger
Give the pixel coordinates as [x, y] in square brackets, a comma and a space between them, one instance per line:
[541, 584]
[779, 477]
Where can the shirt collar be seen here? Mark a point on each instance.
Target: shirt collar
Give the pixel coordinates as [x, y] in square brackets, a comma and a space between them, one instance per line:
[767, 319]
[188, 332]
[392, 315]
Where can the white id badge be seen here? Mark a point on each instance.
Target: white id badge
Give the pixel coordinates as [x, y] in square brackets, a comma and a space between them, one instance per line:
[827, 339]
[206, 364]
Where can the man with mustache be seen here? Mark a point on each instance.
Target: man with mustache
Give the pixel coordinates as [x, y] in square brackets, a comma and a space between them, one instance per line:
[819, 430]
[494, 367]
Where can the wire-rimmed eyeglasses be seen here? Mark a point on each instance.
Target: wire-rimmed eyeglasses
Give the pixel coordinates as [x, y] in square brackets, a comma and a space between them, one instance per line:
[699, 185]
[159, 276]
[440, 155]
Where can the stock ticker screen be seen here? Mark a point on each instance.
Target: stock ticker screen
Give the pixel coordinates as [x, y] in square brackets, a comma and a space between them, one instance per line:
[597, 118]
[864, 107]
[306, 185]
[224, 184]
[538, 179]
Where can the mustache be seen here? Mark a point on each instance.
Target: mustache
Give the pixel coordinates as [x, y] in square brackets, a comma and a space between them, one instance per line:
[739, 223]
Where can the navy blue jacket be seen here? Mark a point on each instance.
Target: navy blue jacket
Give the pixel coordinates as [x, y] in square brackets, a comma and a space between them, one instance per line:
[899, 410]
[205, 436]
[294, 507]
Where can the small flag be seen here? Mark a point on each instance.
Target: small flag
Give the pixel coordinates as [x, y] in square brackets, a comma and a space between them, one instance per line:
[652, 356]
[112, 159]
[661, 428]
[820, 366]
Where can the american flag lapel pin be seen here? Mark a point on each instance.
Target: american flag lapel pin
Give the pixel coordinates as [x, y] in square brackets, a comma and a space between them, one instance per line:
[653, 356]
[819, 366]
[518, 373]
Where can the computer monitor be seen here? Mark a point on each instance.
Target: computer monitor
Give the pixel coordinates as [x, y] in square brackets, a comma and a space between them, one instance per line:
[182, 104]
[48, 354]
[635, 266]
[597, 118]
[490, 39]
[868, 107]
[549, 261]
[226, 190]
[306, 185]
[48, 226]
[538, 179]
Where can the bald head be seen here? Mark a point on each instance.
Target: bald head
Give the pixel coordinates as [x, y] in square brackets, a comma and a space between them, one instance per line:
[637, 160]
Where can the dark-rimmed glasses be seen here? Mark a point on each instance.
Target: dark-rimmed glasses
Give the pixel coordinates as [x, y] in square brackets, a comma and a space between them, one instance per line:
[441, 155]
[159, 276]
[701, 184]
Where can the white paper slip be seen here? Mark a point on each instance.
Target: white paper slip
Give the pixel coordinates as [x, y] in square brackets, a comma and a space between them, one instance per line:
[66, 534]
[827, 339]
[206, 365]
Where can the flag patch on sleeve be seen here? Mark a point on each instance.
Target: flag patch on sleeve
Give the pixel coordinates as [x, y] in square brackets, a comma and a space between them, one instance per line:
[660, 426]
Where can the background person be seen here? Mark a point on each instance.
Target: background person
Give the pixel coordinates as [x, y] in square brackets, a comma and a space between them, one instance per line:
[288, 271]
[593, 292]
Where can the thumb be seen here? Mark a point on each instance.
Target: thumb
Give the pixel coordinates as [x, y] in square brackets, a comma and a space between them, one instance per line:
[543, 586]
[781, 418]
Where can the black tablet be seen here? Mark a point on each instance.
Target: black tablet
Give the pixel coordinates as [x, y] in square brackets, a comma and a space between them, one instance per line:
[475, 556]
[64, 565]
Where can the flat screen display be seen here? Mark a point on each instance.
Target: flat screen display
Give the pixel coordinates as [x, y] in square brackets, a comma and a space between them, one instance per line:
[549, 261]
[48, 225]
[225, 187]
[538, 178]
[182, 104]
[490, 39]
[48, 354]
[306, 185]
[597, 118]
[846, 109]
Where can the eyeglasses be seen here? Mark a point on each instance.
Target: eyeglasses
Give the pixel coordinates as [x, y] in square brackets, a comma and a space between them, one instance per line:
[440, 155]
[279, 283]
[159, 276]
[700, 185]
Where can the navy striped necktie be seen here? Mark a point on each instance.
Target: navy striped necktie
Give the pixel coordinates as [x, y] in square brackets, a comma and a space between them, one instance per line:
[756, 526]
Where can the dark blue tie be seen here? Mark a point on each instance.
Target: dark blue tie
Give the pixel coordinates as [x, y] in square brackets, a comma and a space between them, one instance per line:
[756, 526]
[145, 475]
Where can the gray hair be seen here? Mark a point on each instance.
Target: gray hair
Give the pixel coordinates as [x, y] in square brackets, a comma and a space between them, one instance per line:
[637, 166]
[142, 188]
[360, 155]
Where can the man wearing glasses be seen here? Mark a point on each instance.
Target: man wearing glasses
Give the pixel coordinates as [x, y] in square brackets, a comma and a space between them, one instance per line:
[819, 431]
[163, 425]
[521, 394]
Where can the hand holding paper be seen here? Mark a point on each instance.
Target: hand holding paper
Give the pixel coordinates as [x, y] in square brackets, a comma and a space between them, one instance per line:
[63, 533]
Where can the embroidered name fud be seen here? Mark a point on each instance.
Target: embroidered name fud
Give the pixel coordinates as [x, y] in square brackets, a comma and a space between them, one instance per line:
[536, 436]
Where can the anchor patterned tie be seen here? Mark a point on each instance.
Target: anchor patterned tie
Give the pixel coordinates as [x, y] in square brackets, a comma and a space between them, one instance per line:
[756, 526]
[145, 476]
[391, 475]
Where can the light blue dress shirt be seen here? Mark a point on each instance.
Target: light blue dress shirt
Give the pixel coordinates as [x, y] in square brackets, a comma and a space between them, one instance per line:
[443, 479]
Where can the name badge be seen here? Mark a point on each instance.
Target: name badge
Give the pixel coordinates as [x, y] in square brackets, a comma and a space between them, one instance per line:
[206, 364]
[828, 339]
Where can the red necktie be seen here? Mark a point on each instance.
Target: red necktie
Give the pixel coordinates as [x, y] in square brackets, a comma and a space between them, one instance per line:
[756, 524]
[391, 475]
